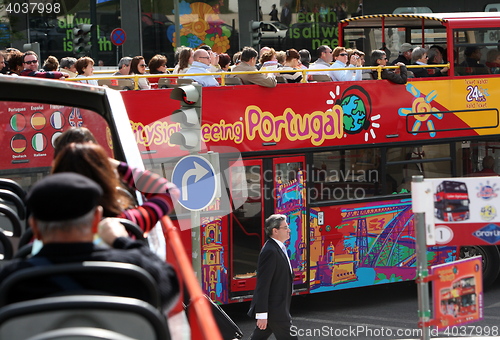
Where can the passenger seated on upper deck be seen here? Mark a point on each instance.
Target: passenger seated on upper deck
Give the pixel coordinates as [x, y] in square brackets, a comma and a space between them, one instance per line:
[325, 57]
[493, 61]
[379, 57]
[419, 57]
[404, 57]
[435, 55]
[471, 65]
[201, 64]
[341, 61]
[292, 63]
[248, 61]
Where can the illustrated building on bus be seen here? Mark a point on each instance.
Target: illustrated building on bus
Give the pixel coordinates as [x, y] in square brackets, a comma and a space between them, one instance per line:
[451, 201]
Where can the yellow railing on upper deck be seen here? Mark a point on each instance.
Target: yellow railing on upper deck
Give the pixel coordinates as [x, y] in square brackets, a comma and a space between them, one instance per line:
[223, 75]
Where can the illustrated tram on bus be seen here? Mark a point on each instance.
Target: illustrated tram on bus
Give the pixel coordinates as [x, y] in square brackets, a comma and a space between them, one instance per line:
[336, 157]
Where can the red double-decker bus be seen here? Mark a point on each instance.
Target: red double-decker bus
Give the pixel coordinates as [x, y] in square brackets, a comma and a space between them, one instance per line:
[451, 201]
[336, 157]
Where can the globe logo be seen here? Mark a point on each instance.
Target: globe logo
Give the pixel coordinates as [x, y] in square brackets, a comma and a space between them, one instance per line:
[355, 114]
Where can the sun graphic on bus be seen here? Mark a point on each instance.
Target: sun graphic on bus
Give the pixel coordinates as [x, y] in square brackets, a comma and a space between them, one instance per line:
[356, 107]
[421, 104]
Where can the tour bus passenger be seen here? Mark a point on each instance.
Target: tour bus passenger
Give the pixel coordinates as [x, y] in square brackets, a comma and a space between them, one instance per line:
[30, 65]
[325, 57]
[224, 62]
[341, 62]
[471, 65]
[305, 58]
[4, 69]
[123, 67]
[14, 61]
[66, 215]
[419, 57]
[85, 68]
[201, 64]
[488, 167]
[248, 61]
[263, 50]
[280, 57]
[236, 58]
[67, 65]
[435, 56]
[214, 59]
[405, 52]
[158, 65]
[138, 66]
[379, 57]
[51, 64]
[493, 61]
[268, 60]
[292, 63]
[185, 60]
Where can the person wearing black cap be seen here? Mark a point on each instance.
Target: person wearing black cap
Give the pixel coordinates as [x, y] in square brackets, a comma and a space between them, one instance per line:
[65, 216]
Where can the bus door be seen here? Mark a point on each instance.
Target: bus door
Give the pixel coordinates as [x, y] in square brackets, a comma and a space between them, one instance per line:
[246, 227]
[274, 186]
[289, 195]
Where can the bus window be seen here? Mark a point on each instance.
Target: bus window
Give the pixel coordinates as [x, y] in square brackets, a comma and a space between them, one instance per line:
[430, 161]
[475, 152]
[345, 174]
[475, 51]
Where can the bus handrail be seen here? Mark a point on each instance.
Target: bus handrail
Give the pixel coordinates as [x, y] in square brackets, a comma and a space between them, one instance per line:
[244, 231]
[223, 75]
[204, 318]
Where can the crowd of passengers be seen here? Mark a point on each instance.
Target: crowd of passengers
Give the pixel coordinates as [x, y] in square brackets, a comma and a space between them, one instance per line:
[332, 65]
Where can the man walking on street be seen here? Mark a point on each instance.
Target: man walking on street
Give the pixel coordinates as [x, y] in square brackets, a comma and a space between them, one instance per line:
[273, 294]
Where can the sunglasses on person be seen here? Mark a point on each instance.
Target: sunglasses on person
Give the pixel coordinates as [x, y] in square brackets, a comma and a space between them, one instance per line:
[143, 65]
[343, 54]
[29, 62]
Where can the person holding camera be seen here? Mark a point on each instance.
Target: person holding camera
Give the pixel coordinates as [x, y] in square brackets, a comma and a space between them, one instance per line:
[341, 58]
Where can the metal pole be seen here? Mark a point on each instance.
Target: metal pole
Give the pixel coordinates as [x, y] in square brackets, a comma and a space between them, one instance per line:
[196, 244]
[424, 312]
[177, 22]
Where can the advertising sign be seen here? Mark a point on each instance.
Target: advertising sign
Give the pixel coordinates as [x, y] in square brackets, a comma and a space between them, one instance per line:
[465, 210]
[457, 292]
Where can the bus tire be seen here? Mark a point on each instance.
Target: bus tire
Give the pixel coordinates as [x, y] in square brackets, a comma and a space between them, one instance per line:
[491, 261]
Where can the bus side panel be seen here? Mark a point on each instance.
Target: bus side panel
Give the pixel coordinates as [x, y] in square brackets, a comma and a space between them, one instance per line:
[364, 244]
[333, 114]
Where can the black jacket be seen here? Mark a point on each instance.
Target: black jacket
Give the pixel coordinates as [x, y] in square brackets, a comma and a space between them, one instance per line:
[273, 293]
[400, 78]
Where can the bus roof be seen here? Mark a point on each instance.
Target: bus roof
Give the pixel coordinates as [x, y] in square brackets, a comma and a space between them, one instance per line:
[464, 19]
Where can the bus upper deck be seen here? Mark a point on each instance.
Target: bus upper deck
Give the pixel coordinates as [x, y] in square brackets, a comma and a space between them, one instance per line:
[454, 32]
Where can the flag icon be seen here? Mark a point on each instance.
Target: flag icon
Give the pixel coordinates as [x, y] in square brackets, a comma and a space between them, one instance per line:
[54, 137]
[39, 142]
[18, 143]
[38, 121]
[57, 120]
[75, 118]
[18, 122]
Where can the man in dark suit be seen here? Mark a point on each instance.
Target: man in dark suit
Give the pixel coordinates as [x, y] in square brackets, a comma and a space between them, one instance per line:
[273, 294]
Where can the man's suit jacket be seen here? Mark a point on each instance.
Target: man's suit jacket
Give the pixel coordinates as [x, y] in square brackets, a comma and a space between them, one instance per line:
[258, 78]
[273, 293]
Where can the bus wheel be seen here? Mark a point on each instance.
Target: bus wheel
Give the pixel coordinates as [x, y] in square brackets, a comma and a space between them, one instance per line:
[491, 261]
